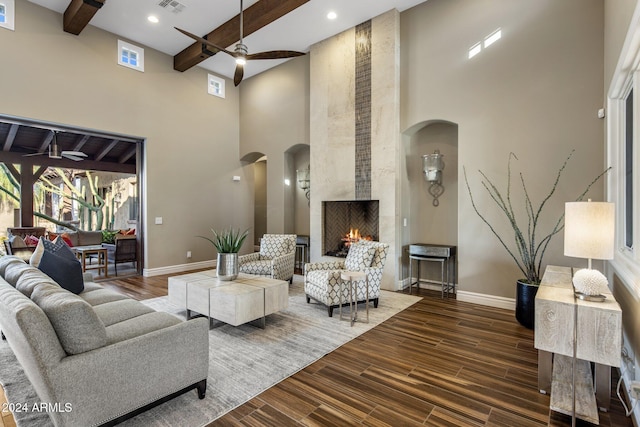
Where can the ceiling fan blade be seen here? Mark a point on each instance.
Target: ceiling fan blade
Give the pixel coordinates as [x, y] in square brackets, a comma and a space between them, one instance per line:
[205, 41]
[73, 153]
[71, 157]
[275, 54]
[237, 77]
[34, 154]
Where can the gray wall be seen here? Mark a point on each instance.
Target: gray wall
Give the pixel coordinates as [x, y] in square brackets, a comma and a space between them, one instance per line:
[191, 137]
[274, 118]
[535, 92]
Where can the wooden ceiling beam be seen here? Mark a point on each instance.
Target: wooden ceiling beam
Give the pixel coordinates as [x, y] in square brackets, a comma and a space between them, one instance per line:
[82, 140]
[260, 14]
[129, 154]
[15, 158]
[79, 13]
[11, 136]
[106, 150]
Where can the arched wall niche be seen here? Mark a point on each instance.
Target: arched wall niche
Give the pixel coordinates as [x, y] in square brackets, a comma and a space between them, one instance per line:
[297, 157]
[422, 221]
[258, 163]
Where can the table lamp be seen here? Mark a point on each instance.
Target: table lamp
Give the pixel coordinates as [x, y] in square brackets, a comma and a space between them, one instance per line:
[589, 232]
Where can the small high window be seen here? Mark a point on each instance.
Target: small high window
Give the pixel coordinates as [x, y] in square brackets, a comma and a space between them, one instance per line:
[130, 55]
[216, 86]
[7, 12]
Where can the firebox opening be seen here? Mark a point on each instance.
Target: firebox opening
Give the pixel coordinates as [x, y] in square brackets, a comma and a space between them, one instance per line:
[347, 222]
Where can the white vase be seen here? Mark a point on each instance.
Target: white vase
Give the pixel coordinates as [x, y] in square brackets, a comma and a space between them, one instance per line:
[227, 266]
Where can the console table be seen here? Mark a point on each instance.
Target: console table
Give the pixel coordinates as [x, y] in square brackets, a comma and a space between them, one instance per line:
[599, 340]
[444, 254]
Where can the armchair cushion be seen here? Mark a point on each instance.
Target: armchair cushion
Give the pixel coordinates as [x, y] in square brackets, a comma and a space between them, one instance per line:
[359, 257]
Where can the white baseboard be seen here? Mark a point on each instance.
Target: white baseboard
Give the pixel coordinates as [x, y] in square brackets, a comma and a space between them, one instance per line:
[180, 268]
[488, 300]
[472, 297]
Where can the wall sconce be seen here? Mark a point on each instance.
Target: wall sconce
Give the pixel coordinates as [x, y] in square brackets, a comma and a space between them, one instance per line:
[432, 165]
[304, 181]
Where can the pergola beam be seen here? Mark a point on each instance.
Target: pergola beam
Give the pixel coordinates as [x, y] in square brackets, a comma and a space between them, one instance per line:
[255, 17]
[11, 136]
[79, 13]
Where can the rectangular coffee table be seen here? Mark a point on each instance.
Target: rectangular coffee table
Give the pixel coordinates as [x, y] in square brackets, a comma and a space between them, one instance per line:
[246, 299]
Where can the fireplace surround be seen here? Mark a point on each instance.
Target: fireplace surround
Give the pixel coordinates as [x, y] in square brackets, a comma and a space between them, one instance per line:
[343, 219]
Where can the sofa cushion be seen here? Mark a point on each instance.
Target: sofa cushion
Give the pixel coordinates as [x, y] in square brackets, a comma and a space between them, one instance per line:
[359, 257]
[58, 247]
[66, 272]
[89, 238]
[76, 324]
[7, 260]
[118, 311]
[13, 272]
[31, 278]
[101, 296]
[141, 325]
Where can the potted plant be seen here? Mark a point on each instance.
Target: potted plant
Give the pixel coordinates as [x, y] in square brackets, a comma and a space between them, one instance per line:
[228, 243]
[529, 242]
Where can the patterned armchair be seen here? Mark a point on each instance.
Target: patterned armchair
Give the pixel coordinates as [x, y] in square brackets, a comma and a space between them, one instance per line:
[276, 258]
[322, 279]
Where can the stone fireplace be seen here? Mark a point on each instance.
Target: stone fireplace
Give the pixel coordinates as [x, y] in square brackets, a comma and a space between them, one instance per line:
[346, 222]
[355, 138]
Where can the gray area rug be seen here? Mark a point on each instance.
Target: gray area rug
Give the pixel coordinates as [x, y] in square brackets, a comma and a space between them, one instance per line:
[243, 361]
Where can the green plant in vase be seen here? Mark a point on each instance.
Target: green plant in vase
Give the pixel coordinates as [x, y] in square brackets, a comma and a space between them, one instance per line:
[228, 243]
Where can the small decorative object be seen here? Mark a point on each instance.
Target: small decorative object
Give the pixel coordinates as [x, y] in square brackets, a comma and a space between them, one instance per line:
[589, 233]
[531, 243]
[304, 181]
[228, 243]
[432, 165]
[589, 282]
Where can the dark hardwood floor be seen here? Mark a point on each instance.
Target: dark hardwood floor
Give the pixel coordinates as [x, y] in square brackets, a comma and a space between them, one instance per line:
[438, 363]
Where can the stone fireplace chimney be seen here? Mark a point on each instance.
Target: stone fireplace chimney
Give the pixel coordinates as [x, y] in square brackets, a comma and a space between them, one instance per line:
[355, 129]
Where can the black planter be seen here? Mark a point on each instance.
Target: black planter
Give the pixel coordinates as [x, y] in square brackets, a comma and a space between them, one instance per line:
[525, 304]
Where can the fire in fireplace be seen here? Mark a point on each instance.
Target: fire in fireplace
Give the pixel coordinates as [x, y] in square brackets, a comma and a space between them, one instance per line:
[360, 217]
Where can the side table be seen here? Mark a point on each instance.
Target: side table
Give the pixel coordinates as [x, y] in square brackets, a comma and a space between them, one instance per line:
[352, 278]
[83, 252]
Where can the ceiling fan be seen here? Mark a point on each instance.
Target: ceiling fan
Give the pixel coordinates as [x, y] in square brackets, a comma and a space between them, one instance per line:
[241, 52]
[55, 153]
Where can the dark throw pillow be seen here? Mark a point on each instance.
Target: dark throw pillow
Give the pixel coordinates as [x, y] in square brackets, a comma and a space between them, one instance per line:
[60, 248]
[66, 272]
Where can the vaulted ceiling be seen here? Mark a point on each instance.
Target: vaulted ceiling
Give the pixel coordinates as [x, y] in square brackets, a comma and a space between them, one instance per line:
[268, 25]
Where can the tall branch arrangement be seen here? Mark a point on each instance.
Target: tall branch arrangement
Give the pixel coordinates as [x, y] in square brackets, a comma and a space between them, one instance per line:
[529, 243]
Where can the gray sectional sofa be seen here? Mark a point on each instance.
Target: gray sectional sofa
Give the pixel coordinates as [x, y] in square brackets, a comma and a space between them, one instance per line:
[107, 356]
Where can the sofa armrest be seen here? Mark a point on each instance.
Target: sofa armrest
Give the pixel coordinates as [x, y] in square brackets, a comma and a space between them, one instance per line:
[255, 256]
[329, 265]
[119, 378]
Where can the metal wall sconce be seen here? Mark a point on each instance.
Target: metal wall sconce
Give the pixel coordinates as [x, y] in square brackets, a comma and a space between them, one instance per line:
[432, 165]
[304, 182]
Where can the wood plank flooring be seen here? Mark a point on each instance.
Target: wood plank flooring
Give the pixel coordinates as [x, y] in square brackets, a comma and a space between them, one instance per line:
[438, 363]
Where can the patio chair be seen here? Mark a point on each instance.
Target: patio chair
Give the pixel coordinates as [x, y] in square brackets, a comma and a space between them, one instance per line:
[123, 250]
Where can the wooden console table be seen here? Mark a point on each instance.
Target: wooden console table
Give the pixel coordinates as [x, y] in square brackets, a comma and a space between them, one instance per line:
[599, 340]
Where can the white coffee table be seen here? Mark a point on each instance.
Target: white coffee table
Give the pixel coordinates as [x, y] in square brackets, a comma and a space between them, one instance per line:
[246, 299]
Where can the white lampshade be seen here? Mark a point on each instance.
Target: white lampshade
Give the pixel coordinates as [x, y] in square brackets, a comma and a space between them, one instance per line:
[589, 229]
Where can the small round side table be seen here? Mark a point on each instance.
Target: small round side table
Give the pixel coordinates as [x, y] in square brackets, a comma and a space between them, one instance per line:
[353, 277]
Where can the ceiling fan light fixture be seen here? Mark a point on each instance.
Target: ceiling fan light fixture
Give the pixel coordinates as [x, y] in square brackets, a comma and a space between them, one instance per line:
[241, 60]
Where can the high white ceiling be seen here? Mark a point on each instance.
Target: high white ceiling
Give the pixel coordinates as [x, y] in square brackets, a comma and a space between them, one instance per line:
[297, 30]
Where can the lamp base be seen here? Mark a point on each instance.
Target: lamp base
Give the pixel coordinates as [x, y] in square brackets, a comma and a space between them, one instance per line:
[593, 298]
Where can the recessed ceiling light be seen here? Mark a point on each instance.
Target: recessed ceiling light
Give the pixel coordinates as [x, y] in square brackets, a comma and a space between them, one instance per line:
[332, 15]
[153, 18]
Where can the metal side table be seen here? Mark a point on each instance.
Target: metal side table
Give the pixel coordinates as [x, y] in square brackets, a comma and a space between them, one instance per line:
[445, 255]
[352, 278]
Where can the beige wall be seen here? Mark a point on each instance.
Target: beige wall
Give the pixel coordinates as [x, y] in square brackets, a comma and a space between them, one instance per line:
[535, 92]
[274, 118]
[191, 137]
